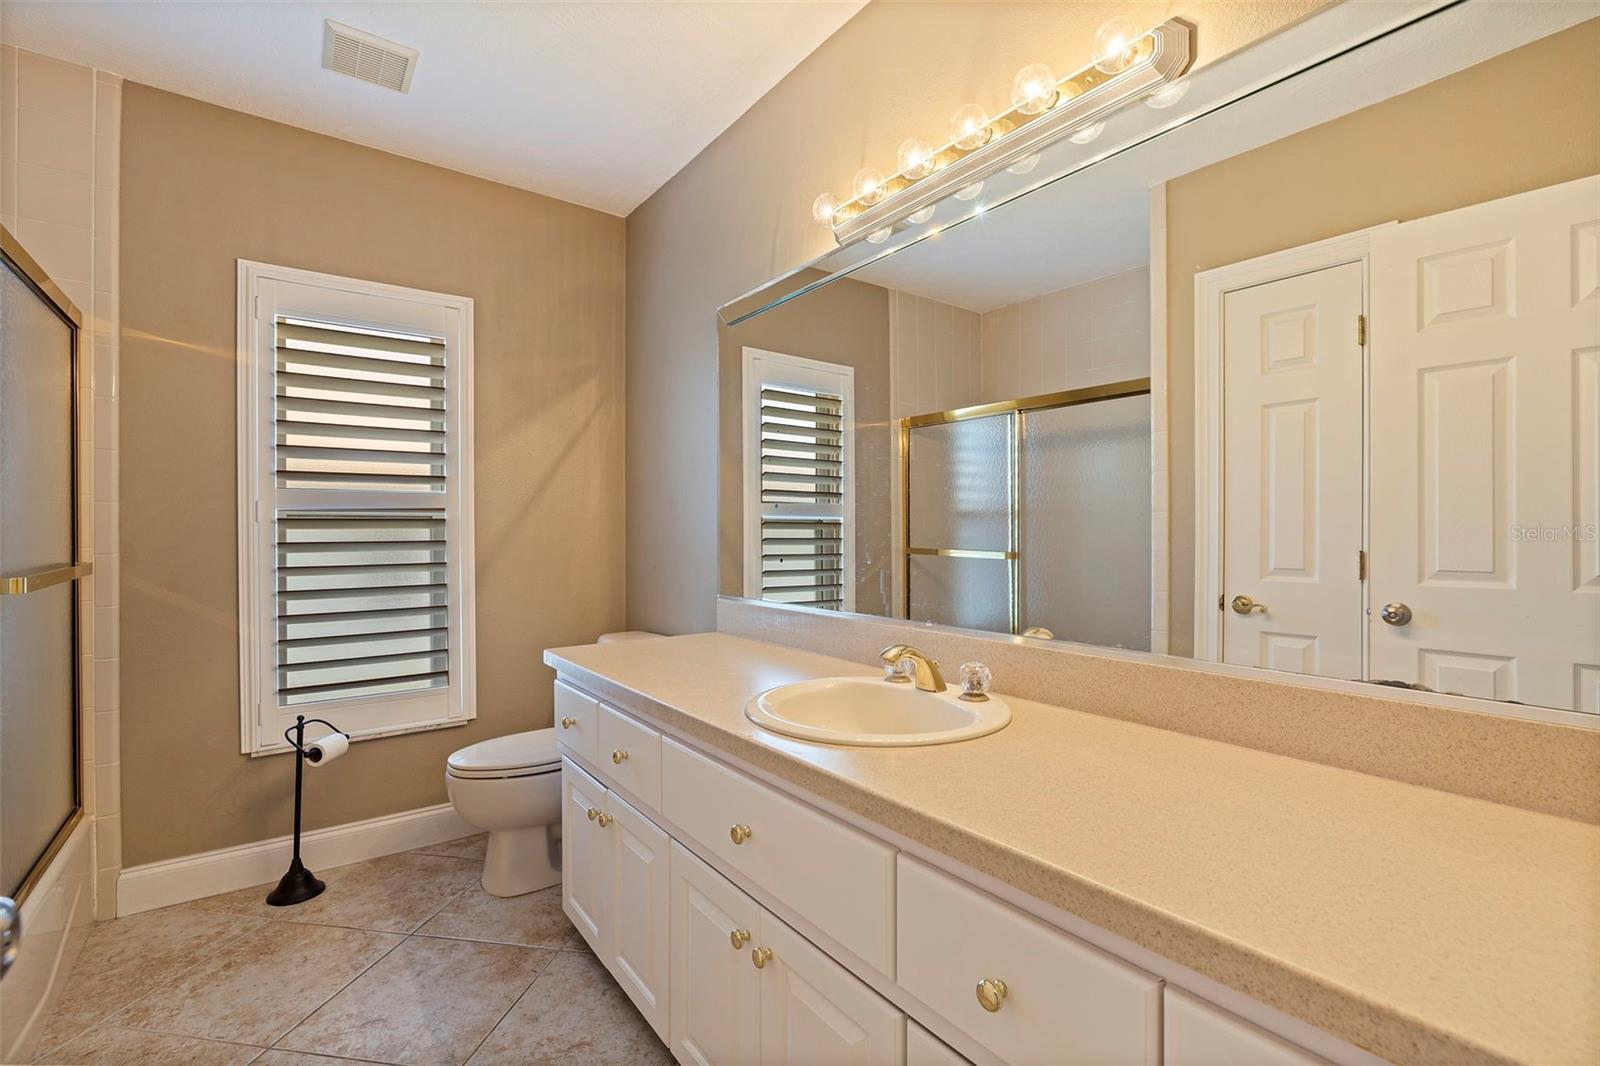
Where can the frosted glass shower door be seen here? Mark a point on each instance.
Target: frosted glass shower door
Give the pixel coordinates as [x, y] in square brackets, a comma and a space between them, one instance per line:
[38, 658]
[1084, 522]
[961, 486]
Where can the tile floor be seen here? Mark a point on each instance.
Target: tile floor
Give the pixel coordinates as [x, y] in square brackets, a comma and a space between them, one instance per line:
[404, 960]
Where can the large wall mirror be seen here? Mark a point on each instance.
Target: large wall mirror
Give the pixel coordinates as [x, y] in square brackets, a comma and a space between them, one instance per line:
[1302, 374]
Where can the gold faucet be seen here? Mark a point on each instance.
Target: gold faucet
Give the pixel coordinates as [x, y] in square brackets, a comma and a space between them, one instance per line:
[925, 671]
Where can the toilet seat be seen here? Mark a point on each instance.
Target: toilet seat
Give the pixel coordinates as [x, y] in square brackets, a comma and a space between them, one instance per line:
[514, 755]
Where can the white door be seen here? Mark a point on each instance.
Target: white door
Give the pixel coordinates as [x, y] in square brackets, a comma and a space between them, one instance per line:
[716, 998]
[639, 905]
[1292, 474]
[583, 854]
[1486, 472]
[814, 1012]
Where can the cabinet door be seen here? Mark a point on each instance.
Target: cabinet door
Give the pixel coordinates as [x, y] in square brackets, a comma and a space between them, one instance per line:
[925, 1049]
[583, 854]
[638, 908]
[1198, 1034]
[814, 1012]
[716, 1008]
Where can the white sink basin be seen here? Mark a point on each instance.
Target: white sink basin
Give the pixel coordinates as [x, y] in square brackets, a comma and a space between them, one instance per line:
[871, 712]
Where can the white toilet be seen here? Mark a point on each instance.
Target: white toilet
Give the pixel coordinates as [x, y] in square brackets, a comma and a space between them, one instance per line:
[511, 787]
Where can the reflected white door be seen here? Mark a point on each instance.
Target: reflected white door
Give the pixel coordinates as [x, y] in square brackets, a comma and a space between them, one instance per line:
[1292, 474]
[1486, 452]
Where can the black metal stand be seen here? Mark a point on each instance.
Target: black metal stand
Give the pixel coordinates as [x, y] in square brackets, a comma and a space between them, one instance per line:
[298, 884]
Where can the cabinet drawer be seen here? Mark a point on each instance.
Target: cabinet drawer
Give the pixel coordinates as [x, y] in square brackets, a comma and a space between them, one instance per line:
[577, 721]
[1065, 1001]
[630, 754]
[1199, 1034]
[840, 880]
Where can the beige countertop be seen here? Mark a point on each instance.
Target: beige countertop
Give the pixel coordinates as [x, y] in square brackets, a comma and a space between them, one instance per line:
[1420, 925]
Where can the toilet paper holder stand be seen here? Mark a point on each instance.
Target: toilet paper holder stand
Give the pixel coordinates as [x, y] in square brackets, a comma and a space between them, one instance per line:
[299, 884]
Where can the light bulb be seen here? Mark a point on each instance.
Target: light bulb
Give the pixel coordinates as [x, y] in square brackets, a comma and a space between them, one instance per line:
[878, 236]
[868, 185]
[969, 127]
[1168, 95]
[1115, 44]
[915, 158]
[917, 218]
[967, 192]
[1034, 89]
[1087, 134]
[1025, 164]
[823, 207]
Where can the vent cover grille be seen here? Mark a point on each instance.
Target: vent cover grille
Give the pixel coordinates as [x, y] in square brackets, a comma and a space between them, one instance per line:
[362, 55]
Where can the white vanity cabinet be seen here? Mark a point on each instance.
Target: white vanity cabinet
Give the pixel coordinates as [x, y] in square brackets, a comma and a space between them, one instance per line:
[616, 888]
[1199, 1034]
[748, 989]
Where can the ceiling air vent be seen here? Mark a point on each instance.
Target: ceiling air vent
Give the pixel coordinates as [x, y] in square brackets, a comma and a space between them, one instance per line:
[365, 56]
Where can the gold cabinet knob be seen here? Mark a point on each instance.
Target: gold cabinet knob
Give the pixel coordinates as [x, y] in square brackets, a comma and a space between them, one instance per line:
[604, 819]
[593, 814]
[760, 956]
[618, 756]
[568, 722]
[739, 834]
[739, 938]
[991, 994]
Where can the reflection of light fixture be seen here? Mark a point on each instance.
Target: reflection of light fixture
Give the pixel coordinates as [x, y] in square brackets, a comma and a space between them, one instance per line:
[1034, 89]
[1025, 164]
[1087, 134]
[917, 218]
[1168, 95]
[1130, 64]
[823, 208]
[878, 236]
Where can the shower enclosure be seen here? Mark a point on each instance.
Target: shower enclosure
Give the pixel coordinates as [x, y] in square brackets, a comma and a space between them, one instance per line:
[1032, 513]
[40, 799]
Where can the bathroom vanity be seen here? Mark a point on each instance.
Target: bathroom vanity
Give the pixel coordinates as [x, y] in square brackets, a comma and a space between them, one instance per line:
[1072, 888]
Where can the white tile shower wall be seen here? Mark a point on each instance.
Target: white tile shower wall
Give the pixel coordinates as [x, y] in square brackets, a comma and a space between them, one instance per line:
[59, 137]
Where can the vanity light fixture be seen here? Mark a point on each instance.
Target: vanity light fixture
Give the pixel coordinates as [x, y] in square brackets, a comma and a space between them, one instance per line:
[1128, 64]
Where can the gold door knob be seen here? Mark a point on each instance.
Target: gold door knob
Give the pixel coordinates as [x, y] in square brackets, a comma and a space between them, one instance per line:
[739, 937]
[1245, 605]
[739, 834]
[760, 956]
[618, 756]
[991, 993]
[604, 819]
[1396, 614]
[568, 722]
[593, 814]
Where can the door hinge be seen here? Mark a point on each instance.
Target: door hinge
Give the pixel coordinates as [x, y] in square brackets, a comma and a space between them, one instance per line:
[1361, 566]
[1361, 330]
[1219, 600]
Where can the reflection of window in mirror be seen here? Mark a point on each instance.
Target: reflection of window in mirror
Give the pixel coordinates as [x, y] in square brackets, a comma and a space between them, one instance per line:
[799, 445]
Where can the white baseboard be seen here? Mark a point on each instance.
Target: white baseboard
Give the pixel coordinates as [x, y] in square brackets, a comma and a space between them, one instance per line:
[161, 884]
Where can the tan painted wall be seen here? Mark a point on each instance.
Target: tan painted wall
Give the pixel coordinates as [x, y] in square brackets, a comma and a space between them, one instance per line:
[203, 186]
[1521, 121]
[846, 323]
[740, 214]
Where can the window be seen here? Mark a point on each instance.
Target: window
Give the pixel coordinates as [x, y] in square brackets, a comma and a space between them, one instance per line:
[799, 451]
[355, 505]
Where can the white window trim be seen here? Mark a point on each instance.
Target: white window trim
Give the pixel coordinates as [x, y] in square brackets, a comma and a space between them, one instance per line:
[750, 392]
[261, 727]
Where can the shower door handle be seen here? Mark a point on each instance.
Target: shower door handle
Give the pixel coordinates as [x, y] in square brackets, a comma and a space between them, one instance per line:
[10, 934]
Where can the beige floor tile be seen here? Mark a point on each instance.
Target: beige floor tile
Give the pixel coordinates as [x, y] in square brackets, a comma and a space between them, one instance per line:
[260, 986]
[574, 1015]
[394, 893]
[280, 1057]
[534, 919]
[123, 959]
[113, 1045]
[472, 848]
[429, 1001]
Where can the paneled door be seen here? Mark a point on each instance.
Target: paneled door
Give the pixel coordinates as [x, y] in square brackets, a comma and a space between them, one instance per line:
[716, 997]
[1292, 474]
[583, 853]
[814, 1012]
[638, 909]
[1486, 449]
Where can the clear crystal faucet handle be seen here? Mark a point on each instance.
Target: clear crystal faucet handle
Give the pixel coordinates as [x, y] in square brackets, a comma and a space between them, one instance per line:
[975, 680]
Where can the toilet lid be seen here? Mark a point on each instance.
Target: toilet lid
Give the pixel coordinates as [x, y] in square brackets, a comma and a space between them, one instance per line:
[515, 751]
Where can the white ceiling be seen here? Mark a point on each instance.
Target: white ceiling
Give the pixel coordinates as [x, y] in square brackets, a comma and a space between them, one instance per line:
[596, 103]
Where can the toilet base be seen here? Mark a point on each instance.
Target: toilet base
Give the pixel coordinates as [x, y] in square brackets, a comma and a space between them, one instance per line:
[520, 861]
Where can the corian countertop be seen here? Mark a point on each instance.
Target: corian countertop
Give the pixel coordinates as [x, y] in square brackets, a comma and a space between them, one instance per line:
[1420, 925]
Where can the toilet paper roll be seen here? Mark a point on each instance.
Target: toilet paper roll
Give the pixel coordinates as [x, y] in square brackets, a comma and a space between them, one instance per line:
[326, 749]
